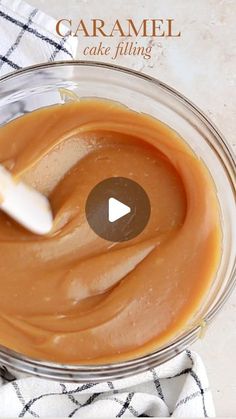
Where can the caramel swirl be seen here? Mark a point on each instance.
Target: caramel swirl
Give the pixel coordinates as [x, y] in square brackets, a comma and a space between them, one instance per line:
[73, 297]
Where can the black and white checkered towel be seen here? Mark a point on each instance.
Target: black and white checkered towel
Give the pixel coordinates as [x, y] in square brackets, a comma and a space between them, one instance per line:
[179, 387]
[28, 36]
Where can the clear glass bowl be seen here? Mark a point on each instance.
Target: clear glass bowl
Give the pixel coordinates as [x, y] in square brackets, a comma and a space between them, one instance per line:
[42, 85]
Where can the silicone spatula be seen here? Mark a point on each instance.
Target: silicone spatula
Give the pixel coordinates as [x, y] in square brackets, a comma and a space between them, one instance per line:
[24, 204]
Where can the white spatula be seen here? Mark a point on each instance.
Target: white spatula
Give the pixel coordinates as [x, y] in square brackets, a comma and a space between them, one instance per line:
[24, 204]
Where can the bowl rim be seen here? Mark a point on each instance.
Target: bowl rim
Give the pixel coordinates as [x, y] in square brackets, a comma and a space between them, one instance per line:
[22, 363]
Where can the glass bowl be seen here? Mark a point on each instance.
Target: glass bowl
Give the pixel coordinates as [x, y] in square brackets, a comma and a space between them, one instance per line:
[43, 85]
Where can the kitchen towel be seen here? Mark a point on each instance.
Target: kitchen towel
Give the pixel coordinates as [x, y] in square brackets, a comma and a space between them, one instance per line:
[178, 388]
[28, 36]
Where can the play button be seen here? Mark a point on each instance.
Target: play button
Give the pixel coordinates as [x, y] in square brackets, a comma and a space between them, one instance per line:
[117, 209]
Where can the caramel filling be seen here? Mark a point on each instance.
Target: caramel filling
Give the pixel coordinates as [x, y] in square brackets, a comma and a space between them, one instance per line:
[73, 297]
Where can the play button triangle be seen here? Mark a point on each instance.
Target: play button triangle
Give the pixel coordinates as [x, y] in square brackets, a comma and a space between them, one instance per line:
[117, 210]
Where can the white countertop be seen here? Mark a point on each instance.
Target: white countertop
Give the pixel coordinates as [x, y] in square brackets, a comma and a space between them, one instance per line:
[200, 64]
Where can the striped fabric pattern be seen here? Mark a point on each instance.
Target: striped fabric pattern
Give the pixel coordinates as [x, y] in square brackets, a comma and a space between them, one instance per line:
[178, 388]
[28, 36]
